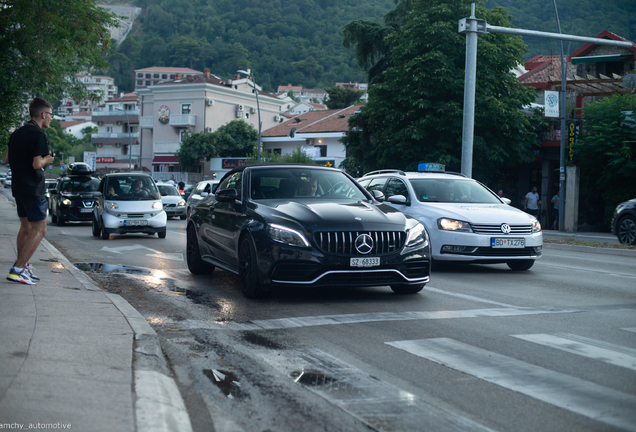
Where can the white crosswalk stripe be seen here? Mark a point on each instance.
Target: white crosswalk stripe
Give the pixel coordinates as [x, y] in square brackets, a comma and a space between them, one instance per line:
[573, 394]
[594, 349]
[377, 403]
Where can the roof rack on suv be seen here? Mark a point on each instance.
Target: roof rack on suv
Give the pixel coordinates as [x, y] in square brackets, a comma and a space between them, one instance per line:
[385, 171]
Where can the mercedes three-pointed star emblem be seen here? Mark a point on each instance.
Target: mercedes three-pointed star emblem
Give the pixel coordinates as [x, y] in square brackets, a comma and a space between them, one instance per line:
[364, 243]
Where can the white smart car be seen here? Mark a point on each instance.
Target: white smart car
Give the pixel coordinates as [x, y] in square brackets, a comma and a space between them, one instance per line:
[128, 203]
[465, 220]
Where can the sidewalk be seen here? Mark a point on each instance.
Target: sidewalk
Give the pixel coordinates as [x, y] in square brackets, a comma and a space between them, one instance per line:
[74, 356]
[585, 236]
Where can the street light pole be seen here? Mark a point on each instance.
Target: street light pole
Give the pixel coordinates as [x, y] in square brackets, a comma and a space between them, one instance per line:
[129, 140]
[258, 109]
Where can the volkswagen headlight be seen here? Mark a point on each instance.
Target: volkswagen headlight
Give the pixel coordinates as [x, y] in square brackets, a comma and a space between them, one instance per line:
[157, 205]
[453, 225]
[287, 236]
[416, 236]
[536, 226]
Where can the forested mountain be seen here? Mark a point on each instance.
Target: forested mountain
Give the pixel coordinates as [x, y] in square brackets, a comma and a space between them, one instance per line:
[581, 18]
[300, 42]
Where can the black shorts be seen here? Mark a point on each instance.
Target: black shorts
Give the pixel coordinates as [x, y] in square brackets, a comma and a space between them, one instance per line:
[33, 210]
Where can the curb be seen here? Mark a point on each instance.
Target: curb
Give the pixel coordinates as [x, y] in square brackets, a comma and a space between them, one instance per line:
[158, 402]
[591, 249]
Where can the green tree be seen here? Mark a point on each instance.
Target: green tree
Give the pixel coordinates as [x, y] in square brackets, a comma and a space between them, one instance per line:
[59, 141]
[296, 156]
[339, 97]
[607, 152]
[43, 45]
[193, 148]
[234, 139]
[415, 108]
[310, 66]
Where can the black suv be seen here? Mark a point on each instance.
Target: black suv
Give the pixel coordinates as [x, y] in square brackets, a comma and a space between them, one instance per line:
[304, 226]
[74, 197]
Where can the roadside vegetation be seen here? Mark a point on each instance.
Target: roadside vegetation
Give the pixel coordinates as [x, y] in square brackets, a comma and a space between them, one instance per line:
[590, 243]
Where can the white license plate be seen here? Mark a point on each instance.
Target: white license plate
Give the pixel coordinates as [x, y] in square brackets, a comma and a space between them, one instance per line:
[86, 210]
[135, 222]
[498, 242]
[364, 262]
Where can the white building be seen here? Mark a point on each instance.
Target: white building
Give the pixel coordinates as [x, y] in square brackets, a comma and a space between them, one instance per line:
[117, 131]
[199, 103]
[102, 86]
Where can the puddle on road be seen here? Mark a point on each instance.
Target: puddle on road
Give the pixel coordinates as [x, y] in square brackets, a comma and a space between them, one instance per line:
[198, 297]
[226, 381]
[111, 268]
[313, 379]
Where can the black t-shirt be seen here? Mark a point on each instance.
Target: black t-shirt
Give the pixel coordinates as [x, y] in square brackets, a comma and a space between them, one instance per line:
[181, 185]
[25, 144]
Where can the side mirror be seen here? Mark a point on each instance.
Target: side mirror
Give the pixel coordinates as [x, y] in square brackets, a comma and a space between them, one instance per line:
[204, 194]
[378, 195]
[506, 200]
[226, 195]
[398, 199]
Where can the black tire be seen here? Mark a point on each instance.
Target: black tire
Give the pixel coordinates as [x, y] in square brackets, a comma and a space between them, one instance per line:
[248, 270]
[95, 228]
[183, 217]
[407, 289]
[105, 233]
[196, 265]
[162, 234]
[60, 220]
[627, 230]
[53, 216]
[520, 265]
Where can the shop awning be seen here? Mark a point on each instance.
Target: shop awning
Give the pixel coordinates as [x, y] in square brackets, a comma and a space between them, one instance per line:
[165, 160]
[602, 58]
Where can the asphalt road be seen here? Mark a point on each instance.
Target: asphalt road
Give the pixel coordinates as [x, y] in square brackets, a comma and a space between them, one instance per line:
[480, 348]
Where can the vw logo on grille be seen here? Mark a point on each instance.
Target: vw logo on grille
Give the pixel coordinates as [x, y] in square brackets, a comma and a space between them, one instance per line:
[505, 228]
[364, 244]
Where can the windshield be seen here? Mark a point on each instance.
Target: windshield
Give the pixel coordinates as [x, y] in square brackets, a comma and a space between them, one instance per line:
[79, 185]
[452, 190]
[303, 184]
[131, 188]
[167, 190]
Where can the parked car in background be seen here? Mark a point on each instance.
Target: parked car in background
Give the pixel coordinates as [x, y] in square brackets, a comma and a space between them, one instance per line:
[302, 226]
[624, 222]
[187, 191]
[128, 203]
[49, 185]
[200, 191]
[6, 182]
[466, 221]
[173, 204]
[74, 195]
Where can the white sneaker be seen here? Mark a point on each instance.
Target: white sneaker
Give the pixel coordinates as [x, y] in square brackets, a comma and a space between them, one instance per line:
[21, 277]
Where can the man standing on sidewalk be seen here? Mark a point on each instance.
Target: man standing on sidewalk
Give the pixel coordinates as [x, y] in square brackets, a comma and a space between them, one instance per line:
[531, 204]
[29, 152]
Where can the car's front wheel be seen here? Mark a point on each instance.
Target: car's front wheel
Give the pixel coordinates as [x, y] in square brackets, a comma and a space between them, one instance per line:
[60, 220]
[627, 230]
[162, 234]
[95, 228]
[183, 217]
[53, 216]
[520, 265]
[196, 265]
[105, 233]
[407, 289]
[248, 270]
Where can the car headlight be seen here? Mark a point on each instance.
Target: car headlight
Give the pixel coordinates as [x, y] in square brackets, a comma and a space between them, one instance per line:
[536, 226]
[157, 205]
[287, 236]
[453, 225]
[67, 202]
[416, 235]
[111, 206]
[181, 203]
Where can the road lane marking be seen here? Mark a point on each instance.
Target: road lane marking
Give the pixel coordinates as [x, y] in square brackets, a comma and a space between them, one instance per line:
[594, 349]
[154, 253]
[600, 272]
[573, 394]
[632, 329]
[466, 296]
[377, 403]
[312, 321]
[178, 232]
